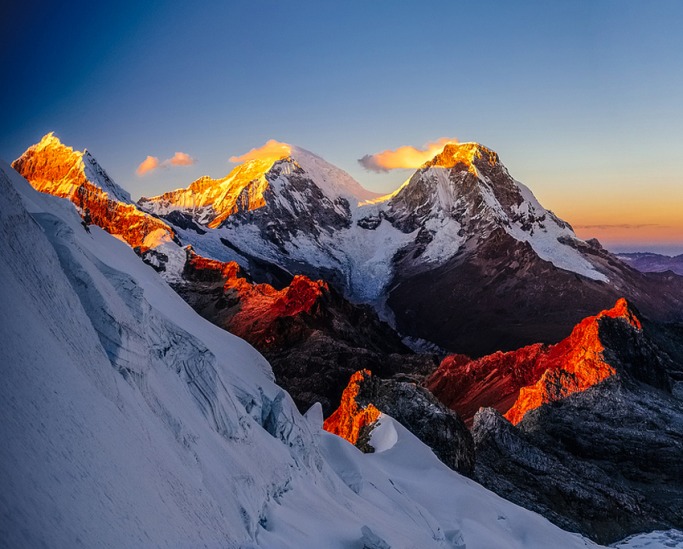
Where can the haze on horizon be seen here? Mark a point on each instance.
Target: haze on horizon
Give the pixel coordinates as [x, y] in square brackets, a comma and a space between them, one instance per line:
[581, 101]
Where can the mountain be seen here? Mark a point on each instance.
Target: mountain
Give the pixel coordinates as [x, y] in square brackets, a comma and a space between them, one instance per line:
[592, 428]
[461, 255]
[54, 168]
[648, 262]
[130, 421]
[514, 273]
[255, 184]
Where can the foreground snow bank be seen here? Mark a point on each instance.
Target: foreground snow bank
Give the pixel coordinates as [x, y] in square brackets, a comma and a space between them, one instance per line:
[129, 421]
[653, 540]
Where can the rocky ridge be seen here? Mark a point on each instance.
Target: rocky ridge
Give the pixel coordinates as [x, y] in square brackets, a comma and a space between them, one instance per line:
[601, 460]
[366, 396]
[54, 168]
[313, 337]
[515, 382]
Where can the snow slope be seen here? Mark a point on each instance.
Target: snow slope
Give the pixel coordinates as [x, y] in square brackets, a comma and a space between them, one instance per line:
[129, 421]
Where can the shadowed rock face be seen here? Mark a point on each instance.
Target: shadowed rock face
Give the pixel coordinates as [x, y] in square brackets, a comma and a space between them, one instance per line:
[313, 338]
[499, 295]
[412, 406]
[604, 461]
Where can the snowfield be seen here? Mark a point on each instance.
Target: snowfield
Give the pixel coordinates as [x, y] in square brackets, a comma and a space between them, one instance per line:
[129, 421]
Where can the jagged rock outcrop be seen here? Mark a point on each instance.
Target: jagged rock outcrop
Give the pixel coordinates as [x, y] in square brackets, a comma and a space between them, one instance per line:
[603, 461]
[518, 381]
[313, 337]
[412, 406]
[52, 167]
[351, 418]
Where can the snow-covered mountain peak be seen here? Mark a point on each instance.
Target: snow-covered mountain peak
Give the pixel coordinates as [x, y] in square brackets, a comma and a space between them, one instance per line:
[58, 169]
[333, 181]
[465, 194]
[276, 172]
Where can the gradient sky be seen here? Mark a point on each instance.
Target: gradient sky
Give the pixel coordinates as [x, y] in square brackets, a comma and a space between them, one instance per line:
[582, 100]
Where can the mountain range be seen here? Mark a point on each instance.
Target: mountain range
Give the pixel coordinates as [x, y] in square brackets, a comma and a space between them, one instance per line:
[649, 262]
[130, 421]
[457, 297]
[461, 256]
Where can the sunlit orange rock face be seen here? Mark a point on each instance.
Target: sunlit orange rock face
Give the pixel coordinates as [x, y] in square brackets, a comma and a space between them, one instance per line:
[53, 168]
[348, 420]
[257, 307]
[463, 153]
[243, 189]
[518, 381]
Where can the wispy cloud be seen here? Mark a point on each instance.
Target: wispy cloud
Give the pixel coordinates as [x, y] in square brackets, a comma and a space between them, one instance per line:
[606, 226]
[271, 150]
[149, 164]
[404, 157]
[180, 159]
[152, 163]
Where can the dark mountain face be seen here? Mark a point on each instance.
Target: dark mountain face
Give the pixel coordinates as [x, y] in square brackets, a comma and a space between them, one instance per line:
[499, 295]
[605, 462]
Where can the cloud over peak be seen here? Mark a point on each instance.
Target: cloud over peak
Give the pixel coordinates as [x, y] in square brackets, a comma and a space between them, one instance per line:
[152, 163]
[272, 149]
[404, 157]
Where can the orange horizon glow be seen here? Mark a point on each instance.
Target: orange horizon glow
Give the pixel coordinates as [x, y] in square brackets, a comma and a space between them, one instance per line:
[653, 224]
[618, 212]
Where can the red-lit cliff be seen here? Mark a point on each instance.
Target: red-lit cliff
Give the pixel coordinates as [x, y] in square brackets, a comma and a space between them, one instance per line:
[52, 167]
[252, 311]
[518, 381]
[313, 337]
[348, 420]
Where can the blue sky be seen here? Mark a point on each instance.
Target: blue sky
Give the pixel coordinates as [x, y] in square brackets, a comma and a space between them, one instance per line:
[582, 100]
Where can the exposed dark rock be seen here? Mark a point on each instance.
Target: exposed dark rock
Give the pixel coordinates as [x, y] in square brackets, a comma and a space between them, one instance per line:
[183, 220]
[313, 337]
[423, 415]
[605, 462]
[499, 295]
